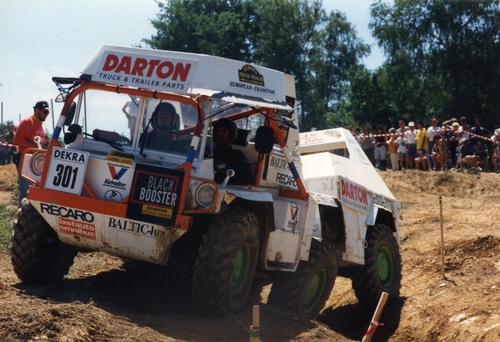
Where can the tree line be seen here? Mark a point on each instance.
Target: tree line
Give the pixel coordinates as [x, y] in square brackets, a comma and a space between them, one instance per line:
[442, 57]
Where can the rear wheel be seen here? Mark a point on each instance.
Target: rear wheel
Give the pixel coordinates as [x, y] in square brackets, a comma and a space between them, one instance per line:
[382, 270]
[226, 262]
[308, 288]
[37, 255]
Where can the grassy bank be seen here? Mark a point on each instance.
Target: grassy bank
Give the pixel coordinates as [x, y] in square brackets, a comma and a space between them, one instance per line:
[7, 215]
[9, 193]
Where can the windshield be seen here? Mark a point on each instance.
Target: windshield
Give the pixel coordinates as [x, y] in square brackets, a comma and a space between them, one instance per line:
[129, 120]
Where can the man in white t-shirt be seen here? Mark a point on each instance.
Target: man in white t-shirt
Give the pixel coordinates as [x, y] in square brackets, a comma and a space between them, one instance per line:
[133, 109]
[411, 151]
[463, 129]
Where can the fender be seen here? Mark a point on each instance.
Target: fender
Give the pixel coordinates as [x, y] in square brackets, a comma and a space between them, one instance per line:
[249, 194]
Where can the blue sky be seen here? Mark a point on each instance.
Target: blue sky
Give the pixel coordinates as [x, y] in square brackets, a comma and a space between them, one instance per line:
[45, 38]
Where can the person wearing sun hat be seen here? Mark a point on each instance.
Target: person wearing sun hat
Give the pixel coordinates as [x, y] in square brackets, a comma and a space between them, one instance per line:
[26, 136]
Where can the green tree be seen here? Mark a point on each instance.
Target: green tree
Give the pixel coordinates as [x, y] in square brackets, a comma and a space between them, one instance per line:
[293, 36]
[366, 102]
[204, 26]
[336, 51]
[443, 57]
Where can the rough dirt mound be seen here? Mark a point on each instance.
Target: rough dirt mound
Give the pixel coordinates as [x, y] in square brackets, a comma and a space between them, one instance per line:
[105, 299]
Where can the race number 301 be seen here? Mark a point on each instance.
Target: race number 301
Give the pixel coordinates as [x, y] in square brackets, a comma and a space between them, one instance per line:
[67, 170]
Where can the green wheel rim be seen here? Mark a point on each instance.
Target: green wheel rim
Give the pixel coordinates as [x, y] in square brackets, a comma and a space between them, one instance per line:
[240, 268]
[314, 291]
[385, 266]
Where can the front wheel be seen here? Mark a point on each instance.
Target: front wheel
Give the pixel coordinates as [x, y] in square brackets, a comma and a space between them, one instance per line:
[226, 263]
[382, 269]
[308, 288]
[37, 255]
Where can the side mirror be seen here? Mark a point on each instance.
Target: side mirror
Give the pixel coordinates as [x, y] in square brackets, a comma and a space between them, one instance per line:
[72, 133]
[264, 139]
[71, 114]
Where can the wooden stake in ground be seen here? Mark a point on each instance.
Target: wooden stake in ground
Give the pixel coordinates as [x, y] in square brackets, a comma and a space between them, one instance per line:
[254, 328]
[376, 316]
[442, 236]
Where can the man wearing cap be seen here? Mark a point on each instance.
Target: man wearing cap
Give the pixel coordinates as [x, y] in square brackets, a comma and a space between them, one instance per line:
[28, 129]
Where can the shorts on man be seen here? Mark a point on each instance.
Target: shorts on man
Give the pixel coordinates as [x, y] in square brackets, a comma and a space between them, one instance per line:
[412, 150]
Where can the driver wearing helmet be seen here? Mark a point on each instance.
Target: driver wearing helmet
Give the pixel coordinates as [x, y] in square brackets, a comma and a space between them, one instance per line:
[226, 158]
[164, 122]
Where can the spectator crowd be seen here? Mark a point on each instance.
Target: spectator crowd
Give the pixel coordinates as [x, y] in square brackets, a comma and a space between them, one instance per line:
[6, 148]
[451, 145]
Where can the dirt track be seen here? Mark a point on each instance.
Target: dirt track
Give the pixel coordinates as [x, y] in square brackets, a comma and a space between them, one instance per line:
[106, 300]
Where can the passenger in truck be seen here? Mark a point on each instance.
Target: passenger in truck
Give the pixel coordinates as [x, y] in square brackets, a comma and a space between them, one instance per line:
[226, 158]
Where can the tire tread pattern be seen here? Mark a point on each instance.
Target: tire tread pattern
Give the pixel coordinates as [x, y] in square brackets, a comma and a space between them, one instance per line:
[289, 288]
[214, 268]
[37, 255]
[365, 280]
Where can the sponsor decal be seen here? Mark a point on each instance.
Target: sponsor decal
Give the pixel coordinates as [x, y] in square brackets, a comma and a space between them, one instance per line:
[122, 160]
[64, 212]
[312, 138]
[155, 195]
[239, 85]
[250, 79]
[127, 226]
[279, 172]
[113, 196]
[151, 72]
[249, 74]
[66, 170]
[76, 228]
[307, 138]
[71, 156]
[294, 214]
[324, 199]
[116, 172]
[354, 195]
[333, 134]
[283, 127]
[138, 66]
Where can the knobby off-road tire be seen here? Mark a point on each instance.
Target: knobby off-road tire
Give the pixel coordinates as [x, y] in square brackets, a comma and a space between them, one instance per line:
[306, 290]
[226, 263]
[382, 269]
[37, 255]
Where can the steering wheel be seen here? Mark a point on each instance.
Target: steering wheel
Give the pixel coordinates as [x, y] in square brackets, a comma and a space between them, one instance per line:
[181, 146]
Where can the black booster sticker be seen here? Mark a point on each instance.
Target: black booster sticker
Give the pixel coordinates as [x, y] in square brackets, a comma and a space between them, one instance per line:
[155, 194]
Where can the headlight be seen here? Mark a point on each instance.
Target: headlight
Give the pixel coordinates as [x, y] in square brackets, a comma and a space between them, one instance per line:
[36, 163]
[205, 194]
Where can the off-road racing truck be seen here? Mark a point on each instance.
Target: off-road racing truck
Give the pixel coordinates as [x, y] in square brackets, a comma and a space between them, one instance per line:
[301, 220]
